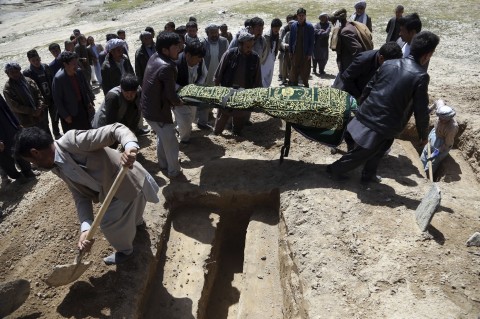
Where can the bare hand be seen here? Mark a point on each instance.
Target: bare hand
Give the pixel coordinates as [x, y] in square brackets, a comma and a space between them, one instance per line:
[2, 147]
[129, 157]
[83, 244]
[69, 119]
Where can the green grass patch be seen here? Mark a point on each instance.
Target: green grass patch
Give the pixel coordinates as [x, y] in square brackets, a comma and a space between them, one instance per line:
[124, 4]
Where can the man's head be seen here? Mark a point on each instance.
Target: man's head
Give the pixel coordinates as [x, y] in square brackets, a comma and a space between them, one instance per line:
[290, 17]
[82, 40]
[323, 17]
[256, 26]
[246, 23]
[409, 26]
[76, 32]
[150, 29]
[169, 26]
[35, 146]
[360, 7]
[69, 61]
[194, 53]
[90, 40]
[146, 38]
[444, 112]
[192, 29]
[181, 31]
[301, 15]
[34, 58]
[212, 31]
[192, 19]
[388, 51]
[115, 48]
[224, 28]
[275, 26]
[111, 36]
[168, 44]
[12, 69]
[121, 34]
[339, 15]
[399, 11]
[423, 45]
[54, 49]
[245, 43]
[69, 46]
[129, 86]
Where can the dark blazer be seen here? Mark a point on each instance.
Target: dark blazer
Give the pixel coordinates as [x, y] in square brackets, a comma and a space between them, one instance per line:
[9, 125]
[46, 92]
[111, 74]
[357, 75]
[141, 60]
[64, 95]
[350, 46]
[393, 30]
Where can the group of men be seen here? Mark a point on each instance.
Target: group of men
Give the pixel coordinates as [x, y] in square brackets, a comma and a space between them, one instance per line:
[389, 84]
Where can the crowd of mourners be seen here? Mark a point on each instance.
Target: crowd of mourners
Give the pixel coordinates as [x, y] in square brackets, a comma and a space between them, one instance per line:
[389, 84]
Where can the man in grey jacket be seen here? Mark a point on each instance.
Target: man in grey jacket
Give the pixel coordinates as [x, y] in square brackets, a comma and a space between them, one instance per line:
[88, 166]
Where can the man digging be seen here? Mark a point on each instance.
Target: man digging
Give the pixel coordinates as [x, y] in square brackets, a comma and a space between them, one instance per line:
[84, 161]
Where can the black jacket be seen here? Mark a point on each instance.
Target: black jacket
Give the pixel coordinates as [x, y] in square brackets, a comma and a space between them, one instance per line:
[357, 75]
[141, 60]
[398, 89]
[182, 68]
[111, 74]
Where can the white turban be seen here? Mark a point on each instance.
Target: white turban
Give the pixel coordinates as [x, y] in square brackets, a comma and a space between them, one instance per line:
[445, 112]
[144, 33]
[114, 43]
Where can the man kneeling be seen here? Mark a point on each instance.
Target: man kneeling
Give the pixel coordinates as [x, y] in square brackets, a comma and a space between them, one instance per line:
[84, 161]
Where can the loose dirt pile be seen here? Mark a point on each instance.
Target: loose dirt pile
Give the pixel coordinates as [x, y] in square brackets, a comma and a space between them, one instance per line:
[247, 237]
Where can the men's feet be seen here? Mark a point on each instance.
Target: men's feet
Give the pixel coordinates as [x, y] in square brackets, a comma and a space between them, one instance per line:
[117, 258]
[334, 176]
[206, 127]
[142, 132]
[180, 177]
[370, 179]
[322, 72]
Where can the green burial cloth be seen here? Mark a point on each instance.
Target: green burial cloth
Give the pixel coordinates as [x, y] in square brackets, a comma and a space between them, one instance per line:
[321, 107]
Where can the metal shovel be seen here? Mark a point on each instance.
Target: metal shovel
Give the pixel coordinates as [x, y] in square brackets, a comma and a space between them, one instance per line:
[65, 274]
[431, 201]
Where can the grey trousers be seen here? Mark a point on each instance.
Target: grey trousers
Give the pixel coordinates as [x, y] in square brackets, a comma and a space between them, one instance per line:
[167, 147]
[119, 225]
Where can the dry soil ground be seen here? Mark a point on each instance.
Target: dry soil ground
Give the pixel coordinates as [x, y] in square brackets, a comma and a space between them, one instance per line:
[247, 237]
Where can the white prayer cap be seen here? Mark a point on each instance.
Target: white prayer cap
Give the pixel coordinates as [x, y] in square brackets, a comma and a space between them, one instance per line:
[212, 26]
[445, 111]
[323, 14]
[144, 33]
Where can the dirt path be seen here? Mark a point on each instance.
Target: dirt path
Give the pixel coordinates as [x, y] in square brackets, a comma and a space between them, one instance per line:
[345, 250]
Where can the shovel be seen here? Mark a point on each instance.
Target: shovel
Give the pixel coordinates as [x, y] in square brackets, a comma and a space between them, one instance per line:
[431, 201]
[65, 274]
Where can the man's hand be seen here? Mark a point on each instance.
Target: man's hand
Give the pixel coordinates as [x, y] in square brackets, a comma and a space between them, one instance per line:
[2, 146]
[69, 119]
[83, 244]
[129, 157]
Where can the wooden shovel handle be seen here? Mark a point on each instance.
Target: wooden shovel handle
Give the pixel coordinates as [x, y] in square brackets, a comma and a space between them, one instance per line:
[430, 172]
[106, 202]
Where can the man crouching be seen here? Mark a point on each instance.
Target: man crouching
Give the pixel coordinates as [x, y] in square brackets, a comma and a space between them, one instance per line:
[84, 161]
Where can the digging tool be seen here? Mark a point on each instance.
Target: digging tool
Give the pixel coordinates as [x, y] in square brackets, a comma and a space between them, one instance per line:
[65, 274]
[431, 201]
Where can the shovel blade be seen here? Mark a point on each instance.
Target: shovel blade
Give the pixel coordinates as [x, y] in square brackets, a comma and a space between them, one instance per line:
[65, 274]
[428, 207]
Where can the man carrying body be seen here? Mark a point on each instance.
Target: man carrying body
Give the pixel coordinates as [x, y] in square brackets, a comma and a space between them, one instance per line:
[191, 70]
[238, 68]
[43, 77]
[215, 46]
[398, 89]
[158, 98]
[364, 66]
[302, 37]
[88, 166]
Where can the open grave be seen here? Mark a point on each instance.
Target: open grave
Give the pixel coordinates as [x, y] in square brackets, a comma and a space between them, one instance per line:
[220, 258]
